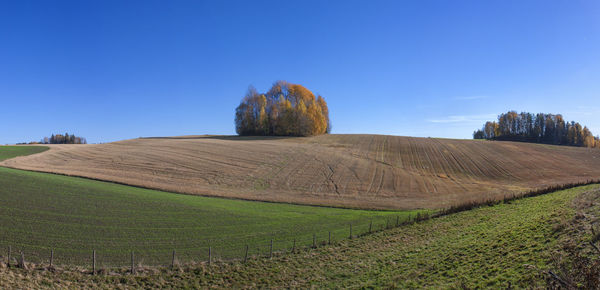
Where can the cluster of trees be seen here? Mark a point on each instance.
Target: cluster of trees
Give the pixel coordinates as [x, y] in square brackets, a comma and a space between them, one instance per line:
[538, 128]
[285, 110]
[63, 139]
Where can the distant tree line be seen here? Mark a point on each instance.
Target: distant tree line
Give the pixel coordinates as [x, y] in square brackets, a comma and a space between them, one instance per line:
[537, 128]
[63, 139]
[285, 110]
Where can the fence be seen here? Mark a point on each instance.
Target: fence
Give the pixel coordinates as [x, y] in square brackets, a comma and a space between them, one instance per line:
[233, 248]
[228, 249]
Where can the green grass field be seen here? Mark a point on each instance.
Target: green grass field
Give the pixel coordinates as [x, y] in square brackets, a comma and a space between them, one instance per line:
[497, 246]
[73, 216]
[501, 246]
[7, 152]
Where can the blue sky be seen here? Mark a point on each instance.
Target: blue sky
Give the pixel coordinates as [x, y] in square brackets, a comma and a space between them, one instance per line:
[112, 70]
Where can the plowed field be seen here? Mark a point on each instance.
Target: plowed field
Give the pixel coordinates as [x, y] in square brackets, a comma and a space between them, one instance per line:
[362, 171]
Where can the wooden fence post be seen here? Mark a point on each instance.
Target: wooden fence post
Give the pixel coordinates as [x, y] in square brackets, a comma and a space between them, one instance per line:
[370, 226]
[132, 263]
[22, 262]
[271, 250]
[314, 240]
[397, 221]
[173, 261]
[209, 255]
[9, 252]
[351, 231]
[94, 262]
[51, 257]
[246, 255]
[329, 242]
[294, 246]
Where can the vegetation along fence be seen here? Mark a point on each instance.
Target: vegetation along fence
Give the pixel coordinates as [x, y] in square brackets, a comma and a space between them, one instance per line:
[208, 251]
[240, 248]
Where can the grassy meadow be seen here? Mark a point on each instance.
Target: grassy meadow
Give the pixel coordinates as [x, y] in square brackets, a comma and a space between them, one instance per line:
[7, 152]
[502, 246]
[74, 216]
[506, 245]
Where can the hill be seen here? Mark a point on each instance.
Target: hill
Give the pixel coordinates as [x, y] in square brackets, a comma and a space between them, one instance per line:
[361, 171]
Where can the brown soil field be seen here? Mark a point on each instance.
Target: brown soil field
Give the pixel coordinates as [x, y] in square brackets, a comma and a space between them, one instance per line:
[359, 171]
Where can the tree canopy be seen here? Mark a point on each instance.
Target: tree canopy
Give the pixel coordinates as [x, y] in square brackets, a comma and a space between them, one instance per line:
[538, 128]
[285, 110]
[63, 139]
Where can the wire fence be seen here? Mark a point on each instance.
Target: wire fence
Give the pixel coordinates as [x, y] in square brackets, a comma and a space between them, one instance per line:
[231, 248]
[240, 248]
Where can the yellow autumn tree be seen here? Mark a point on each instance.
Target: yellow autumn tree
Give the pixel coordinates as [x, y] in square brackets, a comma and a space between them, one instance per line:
[301, 125]
[588, 138]
[316, 119]
[325, 112]
[285, 110]
[285, 119]
[262, 121]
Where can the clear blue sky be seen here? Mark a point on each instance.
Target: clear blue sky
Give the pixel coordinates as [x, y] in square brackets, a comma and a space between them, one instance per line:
[111, 70]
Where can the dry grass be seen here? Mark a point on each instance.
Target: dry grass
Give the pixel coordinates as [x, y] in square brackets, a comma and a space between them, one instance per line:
[364, 171]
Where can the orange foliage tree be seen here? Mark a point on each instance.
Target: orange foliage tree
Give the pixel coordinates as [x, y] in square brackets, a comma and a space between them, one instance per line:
[285, 110]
